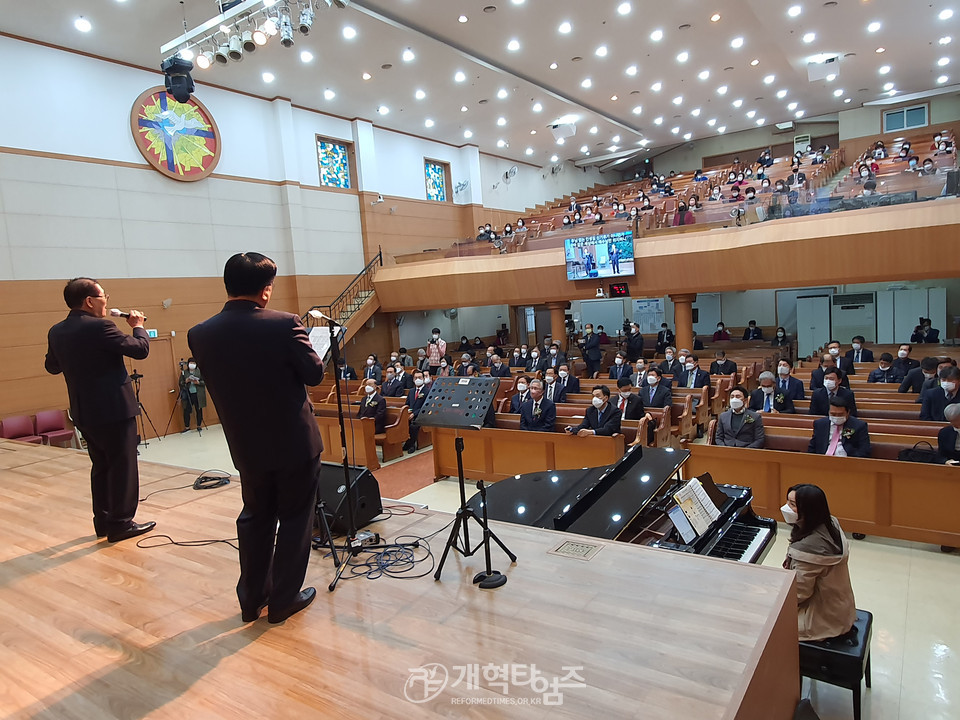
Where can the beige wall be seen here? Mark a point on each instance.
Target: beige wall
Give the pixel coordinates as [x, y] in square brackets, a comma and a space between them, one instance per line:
[868, 121]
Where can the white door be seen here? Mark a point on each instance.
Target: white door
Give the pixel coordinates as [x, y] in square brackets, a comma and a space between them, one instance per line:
[813, 324]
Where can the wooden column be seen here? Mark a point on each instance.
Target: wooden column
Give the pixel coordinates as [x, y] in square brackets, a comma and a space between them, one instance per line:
[558, 324]
[683, 318]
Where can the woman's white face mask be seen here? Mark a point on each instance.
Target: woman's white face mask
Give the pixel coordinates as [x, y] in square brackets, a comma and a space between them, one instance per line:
[789, 516]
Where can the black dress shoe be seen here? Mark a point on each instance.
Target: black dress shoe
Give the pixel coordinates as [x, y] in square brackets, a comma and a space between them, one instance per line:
[132, 530]
[253, 614]
[304, 598]
[101, 533]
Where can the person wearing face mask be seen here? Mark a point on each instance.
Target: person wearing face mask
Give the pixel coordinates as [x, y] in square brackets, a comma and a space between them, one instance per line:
[780, 187]
[796, 179]
[598, 219]
[818, 553]
[601, 418]
[516, 360]
[736, 195]
[552, 389]
[698, 175]
[634, 214]
[840, 433]
[741, 180]
[943, 148]
[569, 382]
[722, 366]
[913, 163]
[671, 365]
[193, 394]
[869, 189]
[716, 193]
[508, 230]
[482, 234]
[466, 361]
[537, 363]
[765, 159]
[721, 333]
[391, 387]
[683, 216]
[750, 195]
[567, 221]
[780, 338]
[914, 380]
[925, 332]
[765, 186]
[620, 368]
[695, 205]
[403, 377]
[436, 349]
[555, 356]
[590, 345]
[405, 358]
[538, 413]
[903, 362]
[521, 226]
[373, 405]
[464, 344]
[445, 369]
[657, 393]
[786, 383]
[768, 398]
[948, 439]
[692, 376]
[844, 363]
[645, 204]
[665, 338]
[928, 168]
[415, 399]
[739, 426]
[615, 258]
[822, 398]
[858, 353]
[634, 343]
[621, 213]
[373, 370]
[423, 362]
[344, 371]
[521, 395]
[498, 368]
[731, 178]
[885, 372]
[574, 205]
[942, 364]
[752, 332]
[577, 219]
[934, 401]
[628, 402]
[487, 361]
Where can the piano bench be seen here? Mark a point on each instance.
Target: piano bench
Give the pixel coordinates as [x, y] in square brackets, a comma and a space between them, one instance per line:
[841, 662]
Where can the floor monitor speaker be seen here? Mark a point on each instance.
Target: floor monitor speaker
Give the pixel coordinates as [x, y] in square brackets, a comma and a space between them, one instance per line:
[333, 491]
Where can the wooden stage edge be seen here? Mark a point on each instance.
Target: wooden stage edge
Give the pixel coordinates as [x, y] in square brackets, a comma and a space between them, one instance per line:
[101, 631]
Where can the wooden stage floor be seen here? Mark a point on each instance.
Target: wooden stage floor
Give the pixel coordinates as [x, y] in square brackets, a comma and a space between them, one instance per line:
[90, 630]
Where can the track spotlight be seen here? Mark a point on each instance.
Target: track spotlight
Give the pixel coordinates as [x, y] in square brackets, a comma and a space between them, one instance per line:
[205, 59]
[235, 52]
[286, 28]
[248, 44]
[177, 78]
[270, 26]
[260, 36]
[306, 19]
[223, 53]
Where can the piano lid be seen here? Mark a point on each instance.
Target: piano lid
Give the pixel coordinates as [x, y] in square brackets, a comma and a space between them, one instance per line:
[599, 502]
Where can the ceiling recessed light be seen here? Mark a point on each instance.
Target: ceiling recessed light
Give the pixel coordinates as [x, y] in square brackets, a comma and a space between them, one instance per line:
[565, 27]
[761, 121]
[678, 99]
[880, 50]
[792, 106]
[586, 84]
[781, 94]
[329, 94]
[638, 109]
[656, 35]
[268, 77]
[462, 19]
[366, 76]
[502, 93]
[831, 77]
[624, 8]
[463, 108]
[675, 130]
[794, 10]
[644, 142]
[560, 141]
[501, 143]
[428, 123]
[769, 79]
[715, 17]
[809, 37]
[528, 151]
[722, 129]
[349, 33]
[722, 90]
[468, 134]
[798, 114]
[704, 74]
[601, 51]
[945, 14]
[533, 132]
[553, 66]
[695, 112]
[658, 121]
[614, 148]
[943, 61]
[683, 57]
[554, 158]
[537, 107]
[657, 86]
[518, 2]
[873, 27]
[632, 70]
[408, 55]
[711, 122]
[945, 40]
[754, 62]
[82, 24]
[888, 86]
[501, 121]
[751, 114]
[838, 92]
[383, 110]
[594, 130]
[584, 148]
[460, 76]
[615, 139]
[737, 42]
[687, 136]
[513, 45]
[419, 94]
[737, 103]
[884, 69]
[891, 93]
[614, 98]
[306, 56]
[942, 79]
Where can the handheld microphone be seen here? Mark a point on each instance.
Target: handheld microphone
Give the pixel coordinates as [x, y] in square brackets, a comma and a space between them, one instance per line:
[114, 312]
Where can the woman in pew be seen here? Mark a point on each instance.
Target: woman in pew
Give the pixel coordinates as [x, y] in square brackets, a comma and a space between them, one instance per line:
[781, 338]
[683, 216]
[818, 554]
[948, 439]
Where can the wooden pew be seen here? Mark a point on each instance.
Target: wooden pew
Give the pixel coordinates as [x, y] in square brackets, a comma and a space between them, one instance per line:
[872, 410]
[882, 498]
[492, 454]
[630, 429]
[700, 415]
[360, 434]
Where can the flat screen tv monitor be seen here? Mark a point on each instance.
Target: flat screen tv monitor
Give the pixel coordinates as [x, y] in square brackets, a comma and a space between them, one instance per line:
[599, 256]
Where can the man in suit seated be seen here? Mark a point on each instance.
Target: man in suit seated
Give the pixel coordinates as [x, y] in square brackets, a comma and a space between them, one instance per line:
[722, 366]
[403, 377]
[536, 363]
[934, 401]
[845, 365]
[518, 360]
[552, 389]
[885, 372]
[942, 364]
[670, 364]
[621, 367]
[821, 398]
[498, 368]
[840, 433]
[904, 363]
[373, 370]
[859, 353]
[628, 402]
[568, 381]
[738, 426]
[827, 362]
[522, 394]
[692, 376]
[752, 332]
[768, 398]
[657, 393]
[555, 356]
[538, 413]
[786, 383]
[601, 418]
[415, 399]
[344, 371]
[373, 405]
[390, 387]
[913, 381]
[466, 361]
[948, 439]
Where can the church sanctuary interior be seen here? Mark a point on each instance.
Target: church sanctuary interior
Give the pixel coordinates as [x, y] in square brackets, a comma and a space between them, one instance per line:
[620, 278]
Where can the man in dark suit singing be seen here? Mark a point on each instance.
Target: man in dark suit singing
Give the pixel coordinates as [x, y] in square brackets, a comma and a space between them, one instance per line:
[538, 413]
[89, 350]
[600, 419]
[256, 363]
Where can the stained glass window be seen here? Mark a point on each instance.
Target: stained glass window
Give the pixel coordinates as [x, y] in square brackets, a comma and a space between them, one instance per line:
[334, 163]
[436, 175]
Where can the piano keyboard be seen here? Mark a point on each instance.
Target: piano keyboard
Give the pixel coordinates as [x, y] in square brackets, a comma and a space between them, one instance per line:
[742, 543]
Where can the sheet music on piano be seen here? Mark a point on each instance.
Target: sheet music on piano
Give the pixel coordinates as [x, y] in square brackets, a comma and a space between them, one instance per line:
[700, 510]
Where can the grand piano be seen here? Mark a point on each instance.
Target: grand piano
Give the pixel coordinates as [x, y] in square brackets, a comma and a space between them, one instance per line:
[632, 501]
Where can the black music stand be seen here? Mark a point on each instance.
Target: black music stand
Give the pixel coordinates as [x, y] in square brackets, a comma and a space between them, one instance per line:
[462, 403]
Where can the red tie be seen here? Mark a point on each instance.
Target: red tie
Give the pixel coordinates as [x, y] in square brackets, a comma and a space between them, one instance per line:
[623, 403]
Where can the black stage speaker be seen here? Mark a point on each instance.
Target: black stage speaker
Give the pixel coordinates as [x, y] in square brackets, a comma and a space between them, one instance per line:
[333, 491]
[953, 182]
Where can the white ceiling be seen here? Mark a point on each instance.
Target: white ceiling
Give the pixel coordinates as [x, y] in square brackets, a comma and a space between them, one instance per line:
[133, 31]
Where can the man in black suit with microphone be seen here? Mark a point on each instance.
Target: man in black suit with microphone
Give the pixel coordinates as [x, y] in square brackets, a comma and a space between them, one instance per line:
[89, 350]
[256, 363]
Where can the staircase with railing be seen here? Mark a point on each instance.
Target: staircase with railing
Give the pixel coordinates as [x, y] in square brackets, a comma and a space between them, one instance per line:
[354, 306]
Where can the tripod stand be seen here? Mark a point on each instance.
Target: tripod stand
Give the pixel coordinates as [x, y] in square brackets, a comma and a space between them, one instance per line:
[137, 377]
[353, 546]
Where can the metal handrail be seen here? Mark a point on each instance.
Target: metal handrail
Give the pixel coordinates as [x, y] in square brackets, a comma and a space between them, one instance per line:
[363, 282]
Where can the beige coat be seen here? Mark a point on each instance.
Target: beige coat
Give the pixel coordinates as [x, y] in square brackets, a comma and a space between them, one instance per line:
[826, 606]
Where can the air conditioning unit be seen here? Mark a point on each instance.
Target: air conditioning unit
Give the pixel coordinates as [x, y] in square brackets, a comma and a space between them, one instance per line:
[854, 314]
[563, 130]
[826, 65]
